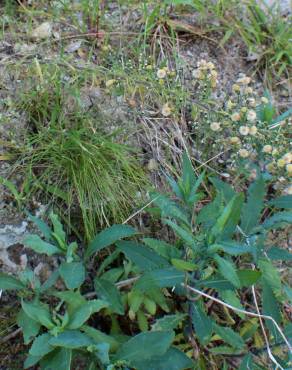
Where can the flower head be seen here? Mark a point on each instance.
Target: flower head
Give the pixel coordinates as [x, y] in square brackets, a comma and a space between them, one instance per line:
[235, 117]
[243, 80]
[215, 126]
[253, 130]
[236, 88]
[248, 90]
[251, 115]
[264, 100]
[267, 148]
[289, 169]
[109, 83]
[281, 163]
[244, 130]
[166, 110]
[243, 153]
[251, 102]
[235, 140]
[161, 73]
[287, 157]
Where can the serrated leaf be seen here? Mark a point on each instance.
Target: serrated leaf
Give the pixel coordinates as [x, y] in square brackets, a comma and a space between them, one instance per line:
[8, 282]
[73, 274]
[252, 209]
[183, 265]
[83, 313]
[71, 339]
[246, 363]
[230, 297]
[58, 228]
[73, 300]
[142, 256]
[225, 350]
[228, 220]
[270, 308]
[31, 361]
[231, 247]
[170, 209]
[284, 202]
[108, 237]
[248, 277]
[275, 253]
[38, 312]
[229, 336]
[100, 337]
[145, 345]
[168, 322]
[210, 212]
[270, 275]
[228, 270]
[216, 282]
[202, 323]
[30, 328]
[40, 346]
[43, 227]
[224, 188]
[279, 219]
[173, 359]
[59, 359]
[185, 235]
[50, 281]
[38, 245]
[164, 249]
[109, 292]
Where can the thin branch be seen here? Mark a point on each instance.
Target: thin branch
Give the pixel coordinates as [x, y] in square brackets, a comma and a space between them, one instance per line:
[264, 330]
[140, 210]
[11, 335]
[252, 314]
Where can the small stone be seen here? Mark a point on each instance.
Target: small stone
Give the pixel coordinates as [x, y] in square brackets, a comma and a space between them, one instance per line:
[43, 31]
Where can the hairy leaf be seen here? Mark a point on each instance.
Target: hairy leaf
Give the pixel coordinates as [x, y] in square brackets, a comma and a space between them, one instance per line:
[144, 346]
[228, 270]
[224, 188]
[41, 346]
[60, 358]
[278, 220]
[109, 292]
[143, 257]
[108, 237]
[30, 327]
[284, 202]
[40, 246]
[38, 312]
[164, 249]
[252, 209]
[73, 274]
[83, 313]
[8, 282]
[229, 336]
[168, 322]
[201, 322]
[72, 339]
[163, 278]
[173, 359]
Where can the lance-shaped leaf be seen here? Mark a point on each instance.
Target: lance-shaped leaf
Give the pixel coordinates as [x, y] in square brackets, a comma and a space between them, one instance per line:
[108, 237]
[252, 209]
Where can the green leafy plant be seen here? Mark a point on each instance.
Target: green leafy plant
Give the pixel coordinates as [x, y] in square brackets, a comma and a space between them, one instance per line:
[219, 254]
[57, 322]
